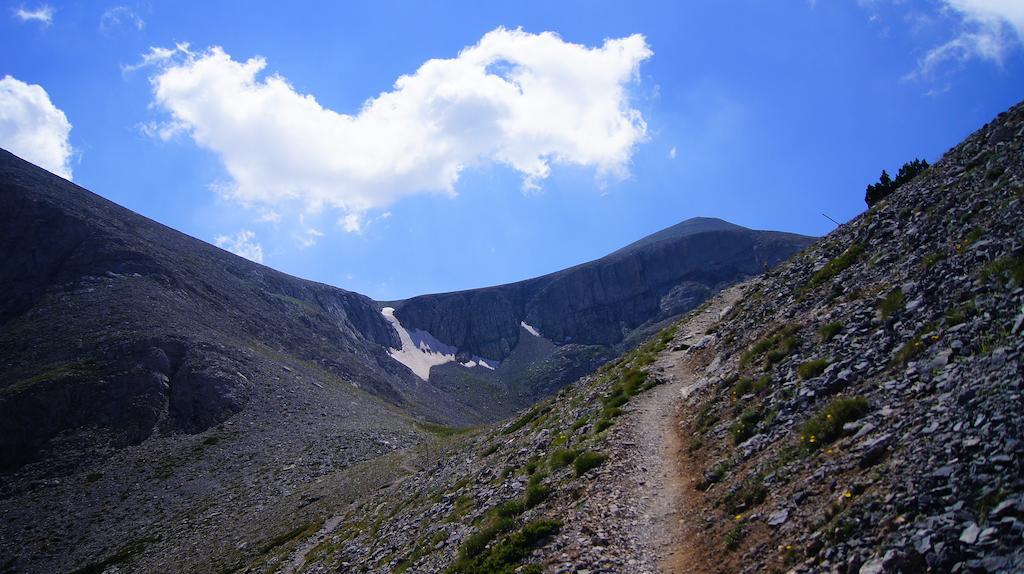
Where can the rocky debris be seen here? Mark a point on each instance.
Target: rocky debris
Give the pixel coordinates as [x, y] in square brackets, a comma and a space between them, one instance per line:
[879, 376]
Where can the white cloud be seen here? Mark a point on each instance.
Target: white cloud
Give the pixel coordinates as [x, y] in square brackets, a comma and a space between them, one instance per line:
[33, 128]
[157, 56]
[528, 101]
[352, 223]
[118, 16]
[42, 13]
[672, 153]
[307, 236]
[988, 30]
[243, 244]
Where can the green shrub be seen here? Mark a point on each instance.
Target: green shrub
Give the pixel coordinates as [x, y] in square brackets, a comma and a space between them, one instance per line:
[836, 266]
[746, 386]
[580, 423]
[507, 555]
[536, 491]
[812, 369]
[508, 509]
[776, 345]
[960, 314]
[908, 351]
[827, 425]
[1009, 268]
[744, 426]
[526, 419]
[734, 536]
[586, 461]
[828, 331]
[892, 304]
[601, 425]
[563, 457]
[747, 495]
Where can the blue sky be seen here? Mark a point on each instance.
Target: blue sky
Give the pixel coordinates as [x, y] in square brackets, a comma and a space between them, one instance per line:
[526, 154]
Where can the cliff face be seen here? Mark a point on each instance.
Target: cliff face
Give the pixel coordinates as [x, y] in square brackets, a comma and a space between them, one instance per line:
[109, 320]
[601, 302]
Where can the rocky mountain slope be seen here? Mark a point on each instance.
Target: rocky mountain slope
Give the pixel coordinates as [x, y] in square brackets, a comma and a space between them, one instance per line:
[857, 409]
[157, 392]
[584, 315]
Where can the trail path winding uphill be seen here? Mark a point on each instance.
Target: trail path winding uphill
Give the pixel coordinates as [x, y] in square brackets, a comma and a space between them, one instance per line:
[633, 517]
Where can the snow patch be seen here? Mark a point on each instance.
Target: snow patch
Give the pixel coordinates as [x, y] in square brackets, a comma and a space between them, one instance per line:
[420, 350]
[530, 329]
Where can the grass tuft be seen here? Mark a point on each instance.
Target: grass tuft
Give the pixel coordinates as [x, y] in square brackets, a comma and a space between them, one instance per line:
[587, 460]
[892, 304]
[836, 266]
[827, 426]
[812, 369]
[828, 331]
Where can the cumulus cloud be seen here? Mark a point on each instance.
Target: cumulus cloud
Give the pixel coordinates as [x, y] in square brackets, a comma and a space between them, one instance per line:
[989, 29]
[243, 244]
[117, 16]
[33, 128]
[42, 13]
[528, 101]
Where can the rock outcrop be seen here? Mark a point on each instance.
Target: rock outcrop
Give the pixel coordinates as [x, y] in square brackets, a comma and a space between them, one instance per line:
[603, 301]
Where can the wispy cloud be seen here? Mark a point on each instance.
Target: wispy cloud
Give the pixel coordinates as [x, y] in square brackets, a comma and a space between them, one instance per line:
[33, 128]
[120, 16]
[243, 244]
[987, 30]
[42, 13]
[528, 101]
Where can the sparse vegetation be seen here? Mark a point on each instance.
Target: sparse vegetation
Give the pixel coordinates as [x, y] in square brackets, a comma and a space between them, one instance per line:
[536, 491]
[932, 259]
[836, 266]
[747, 386]
[1004, 269]
[124, 554]
[909, 350]
[528, 418]
[828, 331]
[507, 555]
[892, 304]
[744, 426]
[812, 368]
[826, 426]
[734, 536]
[747, 495]
[442, 430]
[563, 457]
[773, 347]
[586, 461]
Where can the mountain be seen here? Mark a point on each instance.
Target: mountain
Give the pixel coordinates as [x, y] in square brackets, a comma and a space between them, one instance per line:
[157, 392]
[856, 409]
[529, 338]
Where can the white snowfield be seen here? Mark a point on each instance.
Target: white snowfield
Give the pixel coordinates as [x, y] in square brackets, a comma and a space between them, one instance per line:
[530, 329]
[420, 350]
